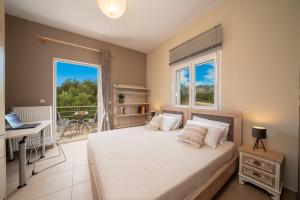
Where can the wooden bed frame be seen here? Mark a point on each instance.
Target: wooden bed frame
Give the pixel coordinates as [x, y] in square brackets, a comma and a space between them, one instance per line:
[216, 182]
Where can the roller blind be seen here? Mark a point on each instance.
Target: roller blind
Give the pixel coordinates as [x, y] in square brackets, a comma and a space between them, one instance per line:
[201, 43]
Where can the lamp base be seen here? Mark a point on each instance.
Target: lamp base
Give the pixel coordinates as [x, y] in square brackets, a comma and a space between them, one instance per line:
[256, 144]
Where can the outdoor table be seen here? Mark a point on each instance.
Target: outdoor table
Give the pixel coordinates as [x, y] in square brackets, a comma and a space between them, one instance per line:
[81, 124]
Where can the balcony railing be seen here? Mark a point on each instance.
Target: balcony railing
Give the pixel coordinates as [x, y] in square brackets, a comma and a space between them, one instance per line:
[68, 112]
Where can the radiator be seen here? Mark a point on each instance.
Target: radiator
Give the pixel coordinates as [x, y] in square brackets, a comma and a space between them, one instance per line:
[30, 114]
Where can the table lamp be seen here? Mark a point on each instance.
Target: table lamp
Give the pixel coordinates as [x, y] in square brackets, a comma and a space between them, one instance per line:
[152, 113]
[260, 133]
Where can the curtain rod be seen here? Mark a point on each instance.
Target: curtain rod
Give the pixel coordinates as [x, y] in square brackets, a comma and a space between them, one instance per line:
[45, 39]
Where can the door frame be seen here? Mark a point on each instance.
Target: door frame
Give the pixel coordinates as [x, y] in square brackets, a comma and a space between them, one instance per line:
[99, 89]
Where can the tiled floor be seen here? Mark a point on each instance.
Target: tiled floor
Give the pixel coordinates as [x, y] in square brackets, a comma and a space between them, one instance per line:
[70, 181]
[234, 191]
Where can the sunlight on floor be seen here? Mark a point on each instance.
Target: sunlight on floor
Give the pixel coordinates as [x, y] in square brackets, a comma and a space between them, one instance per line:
[69, 180]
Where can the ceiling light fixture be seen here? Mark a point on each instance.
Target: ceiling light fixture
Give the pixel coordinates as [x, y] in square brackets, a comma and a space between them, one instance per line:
[112, 8]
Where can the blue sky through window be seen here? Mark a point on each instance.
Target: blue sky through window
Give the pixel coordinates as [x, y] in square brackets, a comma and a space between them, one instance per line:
[79, 72]
[184, 76]
[205, 73]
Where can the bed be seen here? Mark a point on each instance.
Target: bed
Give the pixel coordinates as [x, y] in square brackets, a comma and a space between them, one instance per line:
[136, 163]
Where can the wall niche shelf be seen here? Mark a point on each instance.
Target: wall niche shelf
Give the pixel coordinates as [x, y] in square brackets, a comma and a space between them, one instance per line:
[131, 115]
[130, 104]
[133, 108]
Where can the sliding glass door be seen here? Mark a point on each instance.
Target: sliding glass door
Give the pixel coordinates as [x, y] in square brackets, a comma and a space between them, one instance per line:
[77, 98]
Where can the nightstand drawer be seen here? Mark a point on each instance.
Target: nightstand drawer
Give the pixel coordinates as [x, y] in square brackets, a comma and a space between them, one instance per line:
[259, 164]
[258, 176]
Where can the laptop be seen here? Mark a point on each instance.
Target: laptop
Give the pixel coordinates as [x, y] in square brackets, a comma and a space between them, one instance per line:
[15, 122]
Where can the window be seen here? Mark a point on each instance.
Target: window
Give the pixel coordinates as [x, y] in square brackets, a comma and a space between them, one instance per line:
[195, 82]
[182, 86]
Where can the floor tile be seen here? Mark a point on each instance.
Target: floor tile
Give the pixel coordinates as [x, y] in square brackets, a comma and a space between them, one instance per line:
[44, 186]
[233, 190]
[75, 148]
[81, 174]
[65, 194]
[53, 166]
[80, 160]
[82, 191]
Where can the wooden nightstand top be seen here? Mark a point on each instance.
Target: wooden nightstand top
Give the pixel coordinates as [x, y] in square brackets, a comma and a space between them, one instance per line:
[269, 155]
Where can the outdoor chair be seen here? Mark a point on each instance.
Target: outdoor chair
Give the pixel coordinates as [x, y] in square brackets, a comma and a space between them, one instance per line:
[65, 123]
[92, 122]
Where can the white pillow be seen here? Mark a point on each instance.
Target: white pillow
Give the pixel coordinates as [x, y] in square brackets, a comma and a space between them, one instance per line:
[154, 124]
[224, 136]
[167, 122]
[193, 133]
[213, 135]
[178, 119]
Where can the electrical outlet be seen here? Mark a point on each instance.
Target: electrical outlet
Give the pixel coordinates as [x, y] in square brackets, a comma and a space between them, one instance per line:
[42, 101]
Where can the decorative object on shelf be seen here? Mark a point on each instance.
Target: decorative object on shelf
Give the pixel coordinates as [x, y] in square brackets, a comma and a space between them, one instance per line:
[259, 133]
[141, 109]
[121, 98]
[112, 8]
[122, 110]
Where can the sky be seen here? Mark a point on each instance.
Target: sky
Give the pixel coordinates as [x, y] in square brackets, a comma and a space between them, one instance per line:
[204, 74]
[74, 71]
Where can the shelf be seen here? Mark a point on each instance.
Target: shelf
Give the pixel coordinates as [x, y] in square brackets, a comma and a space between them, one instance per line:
[131, 87]
[131, 115]
[130, 125]
[131, 104]
[134, 93]
[136, 96]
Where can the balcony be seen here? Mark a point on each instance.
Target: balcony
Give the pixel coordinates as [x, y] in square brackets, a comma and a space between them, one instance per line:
[76, 122]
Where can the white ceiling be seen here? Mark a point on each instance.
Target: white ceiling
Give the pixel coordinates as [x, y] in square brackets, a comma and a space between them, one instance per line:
[145, 25]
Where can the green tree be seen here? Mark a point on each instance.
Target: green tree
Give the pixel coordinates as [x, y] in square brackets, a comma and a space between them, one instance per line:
[75, 93]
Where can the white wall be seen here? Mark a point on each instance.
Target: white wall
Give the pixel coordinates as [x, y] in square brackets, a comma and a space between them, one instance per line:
[259, 72]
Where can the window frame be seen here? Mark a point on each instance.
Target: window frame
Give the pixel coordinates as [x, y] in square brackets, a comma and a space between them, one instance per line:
[191, 63]
[177, 67]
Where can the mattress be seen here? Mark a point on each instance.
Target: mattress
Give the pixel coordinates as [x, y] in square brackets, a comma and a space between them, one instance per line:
[139, 164]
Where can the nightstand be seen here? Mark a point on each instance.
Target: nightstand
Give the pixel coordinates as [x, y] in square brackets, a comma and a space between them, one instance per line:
[263, 169]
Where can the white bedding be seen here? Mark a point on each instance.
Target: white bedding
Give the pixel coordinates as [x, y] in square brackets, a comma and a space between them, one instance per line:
[139, 164]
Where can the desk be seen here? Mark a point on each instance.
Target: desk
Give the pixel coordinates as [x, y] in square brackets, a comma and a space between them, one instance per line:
[24, 133]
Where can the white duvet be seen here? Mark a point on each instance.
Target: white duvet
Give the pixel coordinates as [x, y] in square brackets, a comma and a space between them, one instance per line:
[139, 164]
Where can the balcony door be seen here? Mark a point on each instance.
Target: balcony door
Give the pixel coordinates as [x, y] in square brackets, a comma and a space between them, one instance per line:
[77, 97]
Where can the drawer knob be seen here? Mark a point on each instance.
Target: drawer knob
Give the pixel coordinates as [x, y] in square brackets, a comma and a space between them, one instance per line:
[256, 174]
[256, 163]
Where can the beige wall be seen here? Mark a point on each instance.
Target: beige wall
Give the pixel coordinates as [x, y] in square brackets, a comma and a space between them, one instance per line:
[259, 72]
[29, 63]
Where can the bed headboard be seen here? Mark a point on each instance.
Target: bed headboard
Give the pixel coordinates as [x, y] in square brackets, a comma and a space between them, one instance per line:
[175, 110]
[232, 118]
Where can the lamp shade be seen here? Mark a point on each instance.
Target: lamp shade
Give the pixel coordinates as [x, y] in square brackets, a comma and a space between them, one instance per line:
[152, 113]
[112, 8]
[259, 132]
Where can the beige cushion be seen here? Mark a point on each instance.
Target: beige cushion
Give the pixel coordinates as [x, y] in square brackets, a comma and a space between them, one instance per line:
[193, 133]
[154, 124]
[213, 135]
[209, 123]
